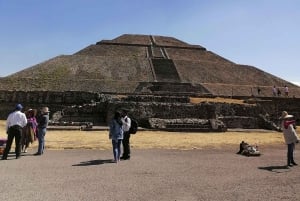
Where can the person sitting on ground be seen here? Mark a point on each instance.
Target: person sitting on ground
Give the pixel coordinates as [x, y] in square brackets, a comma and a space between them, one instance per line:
[248, 150]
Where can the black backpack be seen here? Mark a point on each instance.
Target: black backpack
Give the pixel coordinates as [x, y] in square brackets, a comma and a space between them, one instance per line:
[134, 126]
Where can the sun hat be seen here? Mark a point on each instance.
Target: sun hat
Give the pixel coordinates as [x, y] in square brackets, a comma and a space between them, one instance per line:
[19, 106]
[285, 115]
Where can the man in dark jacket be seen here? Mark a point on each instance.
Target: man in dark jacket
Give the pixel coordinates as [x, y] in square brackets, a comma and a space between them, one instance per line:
[43, 121]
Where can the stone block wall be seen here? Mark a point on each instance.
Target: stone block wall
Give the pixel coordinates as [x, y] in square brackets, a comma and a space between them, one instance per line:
[99, 108]
[38, 99]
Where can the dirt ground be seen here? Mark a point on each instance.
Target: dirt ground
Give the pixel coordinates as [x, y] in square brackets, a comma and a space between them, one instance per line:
[77, 165]
[145, 139]
[152, 174]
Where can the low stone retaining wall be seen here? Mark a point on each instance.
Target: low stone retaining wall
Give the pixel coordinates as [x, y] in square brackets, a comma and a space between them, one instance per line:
[98, 108]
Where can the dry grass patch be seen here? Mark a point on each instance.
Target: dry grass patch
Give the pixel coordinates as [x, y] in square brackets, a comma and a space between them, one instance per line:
[157, 139]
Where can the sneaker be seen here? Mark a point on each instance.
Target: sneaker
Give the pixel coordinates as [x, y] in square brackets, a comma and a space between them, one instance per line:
[294, 163]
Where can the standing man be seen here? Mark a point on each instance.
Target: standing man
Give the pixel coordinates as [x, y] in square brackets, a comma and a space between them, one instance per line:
[14, 125]
[290, 136]
[43, 121]
[126, 140]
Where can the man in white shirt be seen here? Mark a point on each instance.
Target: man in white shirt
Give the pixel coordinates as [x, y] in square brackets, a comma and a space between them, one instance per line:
[14, 125]
[126, 139]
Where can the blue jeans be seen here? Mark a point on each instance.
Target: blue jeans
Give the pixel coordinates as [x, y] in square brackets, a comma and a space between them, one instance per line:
[41, 138]
[116, 149]
[290, 153]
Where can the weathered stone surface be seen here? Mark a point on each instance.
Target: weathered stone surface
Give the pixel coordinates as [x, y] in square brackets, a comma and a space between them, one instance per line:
[154, 76]
[187, 124]
[126, 63]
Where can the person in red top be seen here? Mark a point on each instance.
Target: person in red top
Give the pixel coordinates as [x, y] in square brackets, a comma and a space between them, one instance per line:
[29, 131]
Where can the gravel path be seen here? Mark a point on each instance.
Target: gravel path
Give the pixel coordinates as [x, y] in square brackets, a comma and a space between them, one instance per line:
[157, 175]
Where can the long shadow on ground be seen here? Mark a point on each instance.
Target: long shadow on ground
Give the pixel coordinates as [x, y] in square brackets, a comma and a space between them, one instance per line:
[276, 168]
[94, 162]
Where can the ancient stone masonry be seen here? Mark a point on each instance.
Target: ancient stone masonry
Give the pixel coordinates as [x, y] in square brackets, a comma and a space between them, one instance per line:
[153, 76]
[121, 64]
[188, 125]
[38, 99]
[166, 112]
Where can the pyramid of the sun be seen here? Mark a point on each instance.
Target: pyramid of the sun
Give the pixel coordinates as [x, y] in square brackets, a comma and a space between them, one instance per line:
[145, 64]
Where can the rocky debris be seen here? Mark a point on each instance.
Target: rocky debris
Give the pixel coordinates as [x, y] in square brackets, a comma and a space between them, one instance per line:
[188, 124]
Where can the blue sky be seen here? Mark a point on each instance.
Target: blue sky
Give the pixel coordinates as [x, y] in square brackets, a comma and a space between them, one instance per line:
[260, 33]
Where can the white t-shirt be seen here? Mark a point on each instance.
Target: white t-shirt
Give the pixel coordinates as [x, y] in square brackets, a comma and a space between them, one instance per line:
[126, 123]
[16, 118]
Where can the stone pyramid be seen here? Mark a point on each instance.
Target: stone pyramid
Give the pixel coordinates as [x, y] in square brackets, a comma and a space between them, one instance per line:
[145, 64]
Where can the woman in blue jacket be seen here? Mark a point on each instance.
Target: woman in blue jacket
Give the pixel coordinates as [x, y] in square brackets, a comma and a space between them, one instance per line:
[116, 135]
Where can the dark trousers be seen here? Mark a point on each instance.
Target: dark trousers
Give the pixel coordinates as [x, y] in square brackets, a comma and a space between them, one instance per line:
[290, 153]
[126, 145]
[13, 132]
